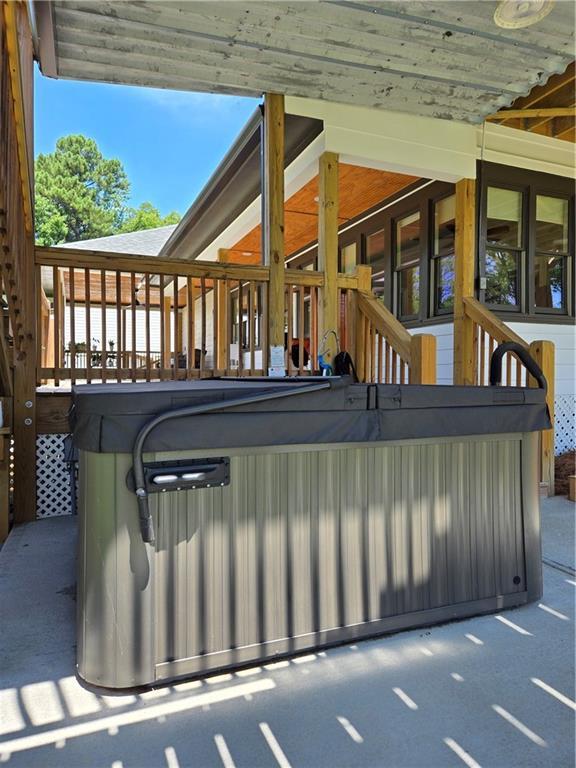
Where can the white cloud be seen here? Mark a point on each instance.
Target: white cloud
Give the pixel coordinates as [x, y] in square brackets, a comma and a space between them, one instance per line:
[195, 106]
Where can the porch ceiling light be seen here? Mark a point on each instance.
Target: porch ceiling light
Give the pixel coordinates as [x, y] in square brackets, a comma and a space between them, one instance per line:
[515, 14]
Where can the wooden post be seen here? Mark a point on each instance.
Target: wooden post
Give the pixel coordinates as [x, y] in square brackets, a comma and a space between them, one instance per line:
[273, 216]
[5, 432]
[465, 253]
[167, 345]
[543, 353]
[328, 250]
[25, 365]
[221, 318]
[423, 359]
[364, 278]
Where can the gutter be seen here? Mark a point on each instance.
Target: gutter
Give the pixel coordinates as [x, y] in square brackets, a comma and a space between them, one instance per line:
[234, 185]
[42, 12]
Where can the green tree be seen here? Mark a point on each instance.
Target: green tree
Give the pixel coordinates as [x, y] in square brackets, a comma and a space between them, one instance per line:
[80, 194]
[147, 216]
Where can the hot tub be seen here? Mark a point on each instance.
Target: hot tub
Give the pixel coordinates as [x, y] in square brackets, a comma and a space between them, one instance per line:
[312, 512]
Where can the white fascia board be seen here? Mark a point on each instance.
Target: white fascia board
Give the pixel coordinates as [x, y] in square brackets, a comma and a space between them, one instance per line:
[439, 149]
[394, 141]
[520, 149]
[297, 174]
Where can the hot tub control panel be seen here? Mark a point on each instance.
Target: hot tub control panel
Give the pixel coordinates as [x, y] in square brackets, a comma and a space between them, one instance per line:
[186, 475]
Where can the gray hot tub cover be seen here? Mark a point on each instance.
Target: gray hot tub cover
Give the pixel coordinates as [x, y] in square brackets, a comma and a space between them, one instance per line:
[107, 417]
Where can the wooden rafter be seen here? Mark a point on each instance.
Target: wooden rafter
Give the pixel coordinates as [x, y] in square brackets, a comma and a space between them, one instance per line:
[531, 114]
[548, 109]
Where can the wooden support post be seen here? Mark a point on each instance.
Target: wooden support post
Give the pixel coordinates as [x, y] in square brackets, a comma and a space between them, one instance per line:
[25, 366]
[167, 345]
[5, 433]
[543, 353]
[221, 319]
[364, 284]
[328, 251]
[273, 216]
[465, 256]
[423, 359]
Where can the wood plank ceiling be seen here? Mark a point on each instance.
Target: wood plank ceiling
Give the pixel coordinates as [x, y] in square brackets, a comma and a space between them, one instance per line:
[359, 189]
[442, 59]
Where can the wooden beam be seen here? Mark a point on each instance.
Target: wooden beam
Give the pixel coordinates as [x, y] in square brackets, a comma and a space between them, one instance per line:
[543, 353]
[113, 262]
[11, 10]
[530, 114]
[465, 259]
[328, 250]
[273, 214]
[53, 413]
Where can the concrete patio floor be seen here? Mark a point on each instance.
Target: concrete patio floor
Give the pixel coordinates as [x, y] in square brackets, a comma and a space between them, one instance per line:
[490, 691]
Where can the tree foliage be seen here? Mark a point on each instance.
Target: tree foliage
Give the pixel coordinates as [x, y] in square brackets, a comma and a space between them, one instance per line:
[147, 216]
[80, 194]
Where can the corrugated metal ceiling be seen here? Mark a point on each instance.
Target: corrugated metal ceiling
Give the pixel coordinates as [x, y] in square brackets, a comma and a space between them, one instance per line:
[442, 59]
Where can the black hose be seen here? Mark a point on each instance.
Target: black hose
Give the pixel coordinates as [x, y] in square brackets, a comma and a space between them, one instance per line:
[146, 522]
[521, 353]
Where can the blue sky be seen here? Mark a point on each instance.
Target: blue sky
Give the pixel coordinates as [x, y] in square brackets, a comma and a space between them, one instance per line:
[169, 142]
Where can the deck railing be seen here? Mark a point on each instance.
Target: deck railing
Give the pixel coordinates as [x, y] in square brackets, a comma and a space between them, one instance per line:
[488, 332]
[386, 352]
[112, 317]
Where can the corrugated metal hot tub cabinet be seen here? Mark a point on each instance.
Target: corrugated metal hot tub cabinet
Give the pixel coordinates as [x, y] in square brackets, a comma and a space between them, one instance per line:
[314, 511]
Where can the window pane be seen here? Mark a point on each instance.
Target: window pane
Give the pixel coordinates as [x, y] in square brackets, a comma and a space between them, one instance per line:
[375, 247]
[378, 283]
[445, 283]
[409, 291]
[408, 239]
[501, 278]
[348, 258]
[549, 281]
[551, 224]
[444, 226]
[504, 217]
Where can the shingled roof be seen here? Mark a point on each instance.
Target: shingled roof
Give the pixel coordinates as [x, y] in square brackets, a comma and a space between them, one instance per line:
[145, 242]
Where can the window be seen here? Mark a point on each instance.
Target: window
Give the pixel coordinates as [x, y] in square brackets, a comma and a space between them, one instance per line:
[551, 253]
[348, 258]
[375, 252]
[526, 245]
[504, 241]
[407, 254]
[443, 254]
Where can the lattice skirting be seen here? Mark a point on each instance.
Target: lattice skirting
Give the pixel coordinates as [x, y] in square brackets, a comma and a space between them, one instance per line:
[53, 483]
[565, 417]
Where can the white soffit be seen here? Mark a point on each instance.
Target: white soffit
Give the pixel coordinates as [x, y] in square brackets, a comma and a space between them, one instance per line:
[297, 174]
[440, 59]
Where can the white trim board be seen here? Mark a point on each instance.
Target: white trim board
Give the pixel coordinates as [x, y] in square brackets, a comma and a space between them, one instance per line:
[439, 149]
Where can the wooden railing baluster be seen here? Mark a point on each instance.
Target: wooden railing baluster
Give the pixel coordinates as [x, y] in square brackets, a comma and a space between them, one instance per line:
[147, 325]
[202, 323]
[57, 324]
